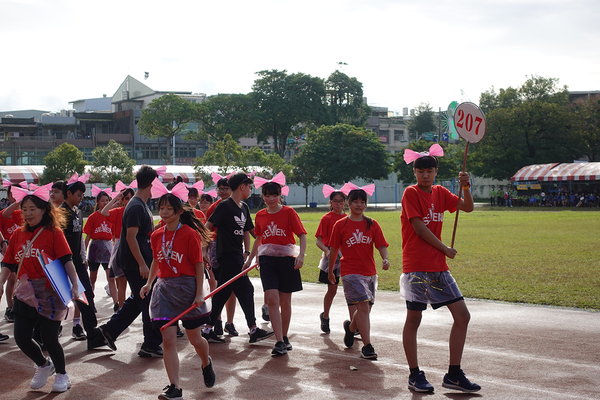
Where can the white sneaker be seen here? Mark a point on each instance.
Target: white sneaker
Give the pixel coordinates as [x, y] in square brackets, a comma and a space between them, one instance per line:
[107, 288]
[61, 383]
[41, 375]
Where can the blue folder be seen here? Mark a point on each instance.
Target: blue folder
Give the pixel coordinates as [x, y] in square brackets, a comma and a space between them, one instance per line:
[55, 271]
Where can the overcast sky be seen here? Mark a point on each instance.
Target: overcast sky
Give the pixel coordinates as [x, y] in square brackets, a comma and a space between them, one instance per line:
[404, 52]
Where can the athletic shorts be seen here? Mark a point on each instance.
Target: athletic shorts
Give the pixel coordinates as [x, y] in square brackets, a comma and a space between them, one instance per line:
[279, 273]
[95, 266]
[421, 288]
[187, 323]
[359, 288]
[324, 276]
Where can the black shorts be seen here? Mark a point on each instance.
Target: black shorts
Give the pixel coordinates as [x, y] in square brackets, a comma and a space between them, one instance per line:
[279, 273]
[187, 323]
[324, 277]
[95, 266]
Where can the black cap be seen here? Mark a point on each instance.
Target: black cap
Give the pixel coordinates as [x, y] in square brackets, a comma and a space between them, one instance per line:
[237, 179]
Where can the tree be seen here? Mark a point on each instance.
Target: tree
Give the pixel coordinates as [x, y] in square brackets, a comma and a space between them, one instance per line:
[345, 100]
[111, 164]
[285, 102]
[528, 125]
[587, 114]
[226, 154]
[62, 162]
[166, 117]
[423, 121]
[449, 165]
[341, 153]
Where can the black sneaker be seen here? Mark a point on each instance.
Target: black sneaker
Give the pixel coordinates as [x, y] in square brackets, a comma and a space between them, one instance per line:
[105, 334]
[279, 349]
[368, 352]
[288, 345]
[349, 335]
[324, 323]
[179, 332]
[218, 328]
[212, 337]
[418, 383]
[259, 334]
[230, 329]
[148, 352]
[78, 333]
[171, 393]
[265, 312]
[461, 383]
[8, 315]
[3, 337]
[209, 374]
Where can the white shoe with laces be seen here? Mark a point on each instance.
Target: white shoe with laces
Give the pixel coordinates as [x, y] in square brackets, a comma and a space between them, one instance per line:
[61, 383]
[41, 375]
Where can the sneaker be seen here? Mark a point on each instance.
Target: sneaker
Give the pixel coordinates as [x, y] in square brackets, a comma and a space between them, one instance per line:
[349, 335]
[171, 393]
[259, 334]
[324, 323]
[108, 339]
[461, 383]
[41, 375]
[368, 352]
[265, 312]
[78, 333]
[107, 289]
[116, 307]
[279, 349]
[209, 374]
[148, 352]
[3, 337]
[230, 329]
[212, 337]
[218, 328]
[418, 383]
[288, 345]
[8, 315]
[179, 332]
[61, 383]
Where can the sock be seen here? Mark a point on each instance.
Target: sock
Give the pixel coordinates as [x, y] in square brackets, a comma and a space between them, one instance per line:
[207, 330]
[253, 330]
[76, 321]
[414, 371]
[453, 371]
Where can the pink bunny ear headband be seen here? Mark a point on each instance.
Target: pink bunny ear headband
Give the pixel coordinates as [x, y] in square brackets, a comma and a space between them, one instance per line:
[158, 189]
[42, 192]
[96, 191]
[161, 171]
[121, 186]
[327, 190]
[216, 177]
[279, 178]
[369, 189]
[76, 178]
[434, 150]
[7, 183]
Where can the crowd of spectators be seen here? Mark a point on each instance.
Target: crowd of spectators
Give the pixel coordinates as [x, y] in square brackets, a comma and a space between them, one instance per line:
[560, 198]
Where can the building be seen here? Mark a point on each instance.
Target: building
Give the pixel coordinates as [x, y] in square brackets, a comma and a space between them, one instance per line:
[391, 130]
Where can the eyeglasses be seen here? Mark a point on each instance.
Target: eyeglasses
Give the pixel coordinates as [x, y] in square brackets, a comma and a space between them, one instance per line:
[224, 189]
[338, 201]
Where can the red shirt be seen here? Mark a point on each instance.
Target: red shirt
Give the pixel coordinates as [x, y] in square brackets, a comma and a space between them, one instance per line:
[356, 242]
[116, 218]
[10, 225]
[51, 241]
[326, 226]
[417, 254]
[200, 215]
[98, 227]
[212, 208]
[185, 253]
[278, 228]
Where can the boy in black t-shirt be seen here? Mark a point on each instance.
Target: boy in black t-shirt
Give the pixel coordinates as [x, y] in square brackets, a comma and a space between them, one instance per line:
[232, 218]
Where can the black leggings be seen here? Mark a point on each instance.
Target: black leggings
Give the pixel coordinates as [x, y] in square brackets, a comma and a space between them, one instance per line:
[23, 332]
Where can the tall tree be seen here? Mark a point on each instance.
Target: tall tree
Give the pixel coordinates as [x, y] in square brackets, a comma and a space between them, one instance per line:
[345, 100]
[112, 164]
[166, 117]
[285, 102]
[588, 123]
[423, 121]
[62, 162]
[226, 154]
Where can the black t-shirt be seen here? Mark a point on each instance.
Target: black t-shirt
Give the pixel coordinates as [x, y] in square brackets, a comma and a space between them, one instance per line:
[136, 215]
[231, 222]
[73, 232]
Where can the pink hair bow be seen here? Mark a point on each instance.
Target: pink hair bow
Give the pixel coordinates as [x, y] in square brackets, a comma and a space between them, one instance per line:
[42, 192]
[121, 186]
[211, 193]
[327, 190]
[7, 183]
[198, 185]
[434, 150]
[161, 171]
[96, 191]
[369, 189]
[279, 178]
[158, 189]
[76, 178]
[216, 177]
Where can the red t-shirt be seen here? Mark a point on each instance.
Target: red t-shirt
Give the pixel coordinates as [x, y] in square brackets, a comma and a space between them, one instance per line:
[212, 208]
[356, 243]
[278, 228]
[417, 254]
[200, 215]
[98, 227]
[51, 241]
[326, 226]
[185, 253]
[8, 226]
[116, 218]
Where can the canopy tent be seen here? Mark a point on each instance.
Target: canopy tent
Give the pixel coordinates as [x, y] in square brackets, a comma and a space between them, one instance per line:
[587, 171]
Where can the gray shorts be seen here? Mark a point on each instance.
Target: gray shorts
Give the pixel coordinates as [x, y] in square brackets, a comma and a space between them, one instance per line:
[422, 288]
[116, 270]
[359, 288]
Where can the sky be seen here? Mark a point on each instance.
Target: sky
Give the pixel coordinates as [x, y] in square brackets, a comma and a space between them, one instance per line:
[404, 52]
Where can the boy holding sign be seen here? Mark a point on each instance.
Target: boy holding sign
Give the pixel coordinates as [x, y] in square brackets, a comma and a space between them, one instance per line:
[426, 279]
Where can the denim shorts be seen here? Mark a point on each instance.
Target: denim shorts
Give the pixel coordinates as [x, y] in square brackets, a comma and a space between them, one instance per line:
[422, 288]
[359, 288]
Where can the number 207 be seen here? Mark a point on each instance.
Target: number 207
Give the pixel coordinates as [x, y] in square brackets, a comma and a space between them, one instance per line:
[467, 122]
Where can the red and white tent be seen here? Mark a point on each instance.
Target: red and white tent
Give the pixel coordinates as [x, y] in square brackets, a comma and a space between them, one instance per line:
[588, 171]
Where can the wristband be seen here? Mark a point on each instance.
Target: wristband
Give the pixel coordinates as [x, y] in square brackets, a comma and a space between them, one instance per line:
[247, 252]
[467, 187]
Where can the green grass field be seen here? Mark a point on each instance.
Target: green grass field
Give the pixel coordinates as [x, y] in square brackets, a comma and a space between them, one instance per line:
[537, 257]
